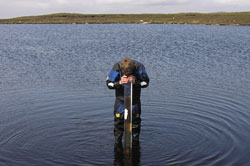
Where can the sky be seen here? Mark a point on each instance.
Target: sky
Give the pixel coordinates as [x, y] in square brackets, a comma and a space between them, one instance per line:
[17, 8]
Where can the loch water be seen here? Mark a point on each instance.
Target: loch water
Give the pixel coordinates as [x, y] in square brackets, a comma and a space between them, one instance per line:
[56, 110]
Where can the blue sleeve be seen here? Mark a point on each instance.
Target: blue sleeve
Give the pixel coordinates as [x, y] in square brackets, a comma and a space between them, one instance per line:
[143, 76]
[112, 80]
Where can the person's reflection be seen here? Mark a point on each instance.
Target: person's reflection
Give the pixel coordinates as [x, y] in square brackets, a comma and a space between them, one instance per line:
[123, 158]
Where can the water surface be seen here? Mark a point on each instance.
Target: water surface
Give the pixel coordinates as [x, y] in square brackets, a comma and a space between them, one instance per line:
[55, 108]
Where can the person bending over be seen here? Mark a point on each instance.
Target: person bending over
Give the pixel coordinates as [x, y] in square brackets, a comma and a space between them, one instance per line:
[125, 71]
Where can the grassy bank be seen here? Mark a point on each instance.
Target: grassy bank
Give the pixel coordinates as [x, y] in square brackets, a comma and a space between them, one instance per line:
[237, 18]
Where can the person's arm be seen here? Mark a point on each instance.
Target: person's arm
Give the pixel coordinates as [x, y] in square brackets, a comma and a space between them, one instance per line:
[143, 80]
[113, 80]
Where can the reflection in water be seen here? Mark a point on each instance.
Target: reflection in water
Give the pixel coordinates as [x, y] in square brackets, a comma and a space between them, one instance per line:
[124, 158]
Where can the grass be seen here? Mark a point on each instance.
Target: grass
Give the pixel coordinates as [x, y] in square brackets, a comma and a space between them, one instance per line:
[234, 18]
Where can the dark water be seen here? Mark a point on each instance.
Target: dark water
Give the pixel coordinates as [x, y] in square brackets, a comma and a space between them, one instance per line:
[55, 108]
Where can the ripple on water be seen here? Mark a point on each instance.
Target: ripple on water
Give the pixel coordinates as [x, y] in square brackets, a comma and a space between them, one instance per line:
[58, 111]
[57, 124]
[198, 128]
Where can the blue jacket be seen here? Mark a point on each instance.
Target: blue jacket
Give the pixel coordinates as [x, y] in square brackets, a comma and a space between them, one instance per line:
[142, 81]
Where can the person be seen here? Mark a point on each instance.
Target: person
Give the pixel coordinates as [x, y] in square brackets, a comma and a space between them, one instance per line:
[127, 70]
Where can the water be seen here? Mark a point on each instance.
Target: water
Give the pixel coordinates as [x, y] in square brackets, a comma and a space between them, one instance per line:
[55, 108]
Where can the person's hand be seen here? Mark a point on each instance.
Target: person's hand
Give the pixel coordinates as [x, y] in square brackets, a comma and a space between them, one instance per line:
[131, 79]
[123, 80]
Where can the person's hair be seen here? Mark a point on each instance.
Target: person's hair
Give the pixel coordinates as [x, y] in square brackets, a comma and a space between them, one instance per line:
[127, 66]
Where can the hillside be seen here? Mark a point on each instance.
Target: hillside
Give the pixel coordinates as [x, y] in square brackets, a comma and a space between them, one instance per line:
[236, 18]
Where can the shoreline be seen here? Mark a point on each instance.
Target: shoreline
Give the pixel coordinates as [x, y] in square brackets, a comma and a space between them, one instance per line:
[232, 19]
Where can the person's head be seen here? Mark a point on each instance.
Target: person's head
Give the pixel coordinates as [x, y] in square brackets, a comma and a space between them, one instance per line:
[127, 66]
